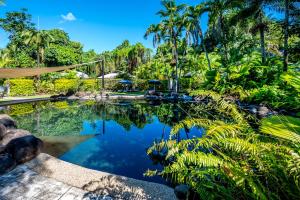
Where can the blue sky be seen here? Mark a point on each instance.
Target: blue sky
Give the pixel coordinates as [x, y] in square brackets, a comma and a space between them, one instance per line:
[98, 24]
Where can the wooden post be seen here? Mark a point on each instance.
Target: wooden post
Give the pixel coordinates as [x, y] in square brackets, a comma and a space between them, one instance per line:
[103, 86]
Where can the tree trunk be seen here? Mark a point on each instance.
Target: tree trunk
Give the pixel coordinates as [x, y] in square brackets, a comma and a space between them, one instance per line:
[38, 57]
[262, 40]
[176, 70]
[223, 38]
[286, 37]
[204, 47]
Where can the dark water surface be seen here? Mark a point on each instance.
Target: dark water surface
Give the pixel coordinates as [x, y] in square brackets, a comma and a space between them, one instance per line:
[111, 136]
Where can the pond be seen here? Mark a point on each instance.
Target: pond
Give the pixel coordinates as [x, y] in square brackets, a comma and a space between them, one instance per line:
[108, 136]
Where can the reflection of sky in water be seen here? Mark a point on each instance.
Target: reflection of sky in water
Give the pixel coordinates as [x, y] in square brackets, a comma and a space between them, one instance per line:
[119, 151]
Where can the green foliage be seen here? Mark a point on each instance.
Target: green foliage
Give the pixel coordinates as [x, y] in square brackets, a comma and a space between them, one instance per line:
[22, 60]
[90, 85]
[46, 87]
[233, 161]
[66, 85]
[57, 55]
[283, 127]
[21, 87]
[21, 109]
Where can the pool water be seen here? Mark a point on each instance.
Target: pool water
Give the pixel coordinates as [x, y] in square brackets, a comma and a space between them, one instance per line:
[108, 136]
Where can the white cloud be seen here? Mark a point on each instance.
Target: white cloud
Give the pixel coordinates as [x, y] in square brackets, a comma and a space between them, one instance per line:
[68, 18]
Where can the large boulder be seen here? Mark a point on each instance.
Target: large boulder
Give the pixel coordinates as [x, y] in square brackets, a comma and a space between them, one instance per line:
[24, 149]
[182, 192]
[7, 163]
[7, 121]
[2, 131]
[11, 134]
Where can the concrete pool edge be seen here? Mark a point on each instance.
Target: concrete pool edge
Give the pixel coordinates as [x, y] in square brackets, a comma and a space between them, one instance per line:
[97, 181]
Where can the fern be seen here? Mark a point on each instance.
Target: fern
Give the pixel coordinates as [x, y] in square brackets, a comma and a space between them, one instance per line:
[284, 127]
[231, 159]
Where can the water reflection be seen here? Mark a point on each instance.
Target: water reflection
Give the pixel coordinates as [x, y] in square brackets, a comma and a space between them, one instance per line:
[107, 136]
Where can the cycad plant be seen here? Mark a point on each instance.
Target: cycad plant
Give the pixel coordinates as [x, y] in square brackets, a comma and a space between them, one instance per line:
[232, 160]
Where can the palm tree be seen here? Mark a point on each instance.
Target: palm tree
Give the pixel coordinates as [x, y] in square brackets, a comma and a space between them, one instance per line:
[41, 39]
[4, 57]
[255, 10]
[217, 10]
[169, 30]
[193, 26]
[286, 35]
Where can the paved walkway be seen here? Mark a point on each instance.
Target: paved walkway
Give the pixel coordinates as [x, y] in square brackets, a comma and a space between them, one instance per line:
[25, 184]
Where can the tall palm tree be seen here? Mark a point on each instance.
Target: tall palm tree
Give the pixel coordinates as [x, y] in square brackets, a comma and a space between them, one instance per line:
[169, 29]
[217, 10]
[193, 26]
[286, 35]
[41, 39]
[254, 10]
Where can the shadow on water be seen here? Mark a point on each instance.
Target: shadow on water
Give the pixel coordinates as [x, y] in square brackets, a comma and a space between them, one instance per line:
[112, 136]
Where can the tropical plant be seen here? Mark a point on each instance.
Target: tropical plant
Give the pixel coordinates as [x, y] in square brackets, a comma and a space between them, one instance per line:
[41, 39]
[193, 27]
[169, 29]
[232, 161]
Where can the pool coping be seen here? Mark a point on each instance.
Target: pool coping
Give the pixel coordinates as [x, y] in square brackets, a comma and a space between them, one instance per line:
[96, 181]
[24, 100]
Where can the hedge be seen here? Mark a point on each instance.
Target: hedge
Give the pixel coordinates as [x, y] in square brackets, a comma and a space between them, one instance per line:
[90, 85]
[66, 85]
[21, 87]
[26, 87]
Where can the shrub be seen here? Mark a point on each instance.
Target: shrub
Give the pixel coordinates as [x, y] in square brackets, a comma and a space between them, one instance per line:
[111, 84]
[66, 85]
[46, 87]
[90, 85]
[21, 87]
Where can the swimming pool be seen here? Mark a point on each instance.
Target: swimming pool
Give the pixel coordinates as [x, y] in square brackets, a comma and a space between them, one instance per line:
[107, 136]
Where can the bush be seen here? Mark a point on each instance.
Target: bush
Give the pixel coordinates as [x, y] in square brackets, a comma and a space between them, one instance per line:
[111, 84]
[90, 85]
[21, 87]
[46, 87]
[66, 85]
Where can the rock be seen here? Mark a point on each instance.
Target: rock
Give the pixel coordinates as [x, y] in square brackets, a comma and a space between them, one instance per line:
[182, 192]
[252, 109]
[2, 149]
[7, 163]
[7, 121]
[2, 131]
[80, 94]
[70, 93]
[263, 112]
[73, 97]
[13, 134]
[24, 149]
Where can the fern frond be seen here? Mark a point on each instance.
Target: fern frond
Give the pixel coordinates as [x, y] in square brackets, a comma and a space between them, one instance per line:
[189, 123]
[284, 127]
